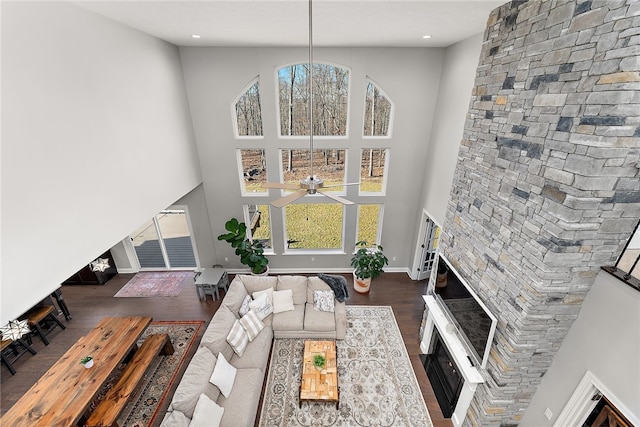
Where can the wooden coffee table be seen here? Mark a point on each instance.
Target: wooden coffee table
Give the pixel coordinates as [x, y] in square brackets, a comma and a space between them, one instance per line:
[319, 385]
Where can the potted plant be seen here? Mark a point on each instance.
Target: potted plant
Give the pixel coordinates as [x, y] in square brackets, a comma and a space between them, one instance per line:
[441, 277]
[250, 251]
[367, 263]
[87, 361]
[319, 361]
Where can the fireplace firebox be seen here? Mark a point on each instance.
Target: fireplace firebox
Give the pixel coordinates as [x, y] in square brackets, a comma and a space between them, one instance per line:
[444, 375]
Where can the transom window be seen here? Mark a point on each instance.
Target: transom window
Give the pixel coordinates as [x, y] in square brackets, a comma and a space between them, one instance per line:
[377, 111]
[330, 95]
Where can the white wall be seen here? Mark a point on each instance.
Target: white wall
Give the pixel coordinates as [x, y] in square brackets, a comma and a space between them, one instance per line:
[96, 139]
[410, 77]
[458, 76]
[605, 339]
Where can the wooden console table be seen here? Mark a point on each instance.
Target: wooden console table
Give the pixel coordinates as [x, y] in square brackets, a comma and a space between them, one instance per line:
[61, 396]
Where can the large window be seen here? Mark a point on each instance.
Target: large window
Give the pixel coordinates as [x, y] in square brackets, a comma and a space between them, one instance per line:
[330, 96]
[373, 170]
[314, 226]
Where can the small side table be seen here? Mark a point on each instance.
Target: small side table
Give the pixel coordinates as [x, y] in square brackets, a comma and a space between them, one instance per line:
[207, 282]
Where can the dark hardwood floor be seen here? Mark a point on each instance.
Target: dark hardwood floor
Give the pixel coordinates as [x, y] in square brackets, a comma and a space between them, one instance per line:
[90, 303]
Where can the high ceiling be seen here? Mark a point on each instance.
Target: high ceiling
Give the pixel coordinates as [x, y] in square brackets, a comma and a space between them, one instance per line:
[353, 23]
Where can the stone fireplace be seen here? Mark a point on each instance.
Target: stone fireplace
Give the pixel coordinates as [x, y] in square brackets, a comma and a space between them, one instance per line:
[546, 188]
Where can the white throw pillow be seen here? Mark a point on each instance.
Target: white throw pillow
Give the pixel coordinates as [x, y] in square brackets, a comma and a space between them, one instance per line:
[207, 413]
[323, 301]
[238, 338]
[244, 308]
[268, 291]
[262, 306]
[252, 324]
[224, 374]
[283, 301]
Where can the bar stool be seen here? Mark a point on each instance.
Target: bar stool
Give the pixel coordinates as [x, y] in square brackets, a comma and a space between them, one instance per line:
[39, 314]
[12, 345]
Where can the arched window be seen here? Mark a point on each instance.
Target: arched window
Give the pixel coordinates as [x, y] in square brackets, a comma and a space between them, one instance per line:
[248, 114]
[330, 97]
[377, 111]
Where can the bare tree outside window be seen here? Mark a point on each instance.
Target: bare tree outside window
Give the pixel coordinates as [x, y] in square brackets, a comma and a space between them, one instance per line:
[377, 112]
[330, 95]
[248, 112]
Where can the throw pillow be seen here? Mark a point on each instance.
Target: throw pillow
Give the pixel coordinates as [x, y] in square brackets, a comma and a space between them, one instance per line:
[224, 374]
[268, 291]
[244, 308]
[238, 338]
[207, 413]
[262, 306]
[252, 324]
[283, 301]
[323, 301]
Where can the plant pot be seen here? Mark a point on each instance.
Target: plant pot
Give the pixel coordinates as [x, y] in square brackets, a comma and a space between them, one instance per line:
[441, 280]
[88, 364]
[319, 368]
[264, 273]
[361, 286]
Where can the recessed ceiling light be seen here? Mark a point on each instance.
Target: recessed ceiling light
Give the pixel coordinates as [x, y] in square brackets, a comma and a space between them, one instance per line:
[195, 36]
[427, 36]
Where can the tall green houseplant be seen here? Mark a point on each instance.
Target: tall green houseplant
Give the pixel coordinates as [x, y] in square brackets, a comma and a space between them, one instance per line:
[250, 251]
[367, 264]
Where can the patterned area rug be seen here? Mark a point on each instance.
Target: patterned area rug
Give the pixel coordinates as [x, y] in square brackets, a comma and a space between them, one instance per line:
[156, 284]
[377, 384]
[143, 407]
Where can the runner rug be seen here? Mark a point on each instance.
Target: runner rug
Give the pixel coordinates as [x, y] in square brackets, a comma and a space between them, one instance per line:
[156, 284]
[377, 384]
[144, 405]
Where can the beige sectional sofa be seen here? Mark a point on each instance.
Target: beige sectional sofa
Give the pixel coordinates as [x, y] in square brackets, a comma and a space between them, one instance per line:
[300, 320]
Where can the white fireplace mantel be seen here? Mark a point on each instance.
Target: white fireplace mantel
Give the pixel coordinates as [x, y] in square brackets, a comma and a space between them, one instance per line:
[472, 377]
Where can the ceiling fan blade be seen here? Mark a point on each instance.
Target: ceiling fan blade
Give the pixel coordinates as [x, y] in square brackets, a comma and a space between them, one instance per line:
[341, 185]
[284, 185]
[283, 201]
[337, 198]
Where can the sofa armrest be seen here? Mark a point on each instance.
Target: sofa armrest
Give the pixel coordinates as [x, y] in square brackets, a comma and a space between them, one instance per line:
[340, 311]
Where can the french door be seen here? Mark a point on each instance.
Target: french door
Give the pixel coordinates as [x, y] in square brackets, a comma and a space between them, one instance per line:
[428, 247]
[165, 242]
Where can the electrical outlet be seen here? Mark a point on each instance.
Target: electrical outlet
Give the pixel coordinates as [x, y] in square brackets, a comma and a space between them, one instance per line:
[226, 259]
[548, 413]
[393, 259]
[312, 259]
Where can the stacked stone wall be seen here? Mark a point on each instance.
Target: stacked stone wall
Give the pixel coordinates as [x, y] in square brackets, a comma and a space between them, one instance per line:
[547, 188]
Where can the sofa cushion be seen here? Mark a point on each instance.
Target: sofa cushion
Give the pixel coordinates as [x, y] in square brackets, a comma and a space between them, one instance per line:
[223, 376]
[235, 296]
[238, 338]
[283, 301]
[323, 301]
[318, 321]
[297, 284]
[215, 337]
[252, 324]
[241, 407]
[256, 353]
[194, 382]
[258, 283]
[316, 284]
[207, 413]
[175, 419]
[289, 320]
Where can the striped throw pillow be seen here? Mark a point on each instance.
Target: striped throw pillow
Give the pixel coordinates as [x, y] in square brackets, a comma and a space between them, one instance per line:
[252, 324]
[238, 338]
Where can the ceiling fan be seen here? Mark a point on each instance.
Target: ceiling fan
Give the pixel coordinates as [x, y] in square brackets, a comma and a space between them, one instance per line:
[311, 184]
